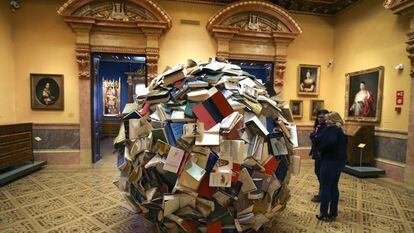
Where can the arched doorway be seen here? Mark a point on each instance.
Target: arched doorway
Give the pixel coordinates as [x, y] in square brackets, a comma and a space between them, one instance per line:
[255, 31]
[131, 27]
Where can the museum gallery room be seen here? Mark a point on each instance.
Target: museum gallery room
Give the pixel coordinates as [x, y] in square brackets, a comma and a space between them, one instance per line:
[207, 116]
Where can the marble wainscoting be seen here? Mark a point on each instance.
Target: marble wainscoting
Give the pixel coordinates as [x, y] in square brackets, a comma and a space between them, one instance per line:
[59, 143]
[390, 148]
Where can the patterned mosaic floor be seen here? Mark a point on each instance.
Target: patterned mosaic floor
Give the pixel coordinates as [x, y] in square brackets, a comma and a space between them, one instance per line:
[62, 199]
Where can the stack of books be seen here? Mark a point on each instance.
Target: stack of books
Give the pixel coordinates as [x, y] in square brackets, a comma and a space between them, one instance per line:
[207, 151]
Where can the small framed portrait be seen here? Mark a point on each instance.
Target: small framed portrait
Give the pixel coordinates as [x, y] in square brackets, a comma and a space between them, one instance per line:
[315, 106]
[296, 106]
[363, 95]
[309, 79]
[47, 92]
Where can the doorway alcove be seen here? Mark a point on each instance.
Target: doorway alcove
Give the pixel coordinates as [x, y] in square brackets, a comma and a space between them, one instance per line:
[127, 27]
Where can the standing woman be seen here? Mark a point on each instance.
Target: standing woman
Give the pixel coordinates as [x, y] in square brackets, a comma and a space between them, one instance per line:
[331, 142]
[317, 127]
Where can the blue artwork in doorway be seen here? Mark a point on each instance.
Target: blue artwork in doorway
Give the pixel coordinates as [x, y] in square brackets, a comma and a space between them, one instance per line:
[261, 69]
[113, 87]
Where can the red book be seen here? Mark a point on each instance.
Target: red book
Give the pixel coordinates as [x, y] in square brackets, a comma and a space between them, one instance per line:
[145, 109]
[221, 102]
[235, 172]
[271, 165]
[190, 226]
[204, 116]
[214, 227]
[234, 133]
[204, 190]
[183, 162]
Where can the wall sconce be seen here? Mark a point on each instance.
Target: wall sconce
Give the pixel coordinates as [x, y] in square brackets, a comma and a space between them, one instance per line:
[399, 67]
[330, 62]
[14, 5]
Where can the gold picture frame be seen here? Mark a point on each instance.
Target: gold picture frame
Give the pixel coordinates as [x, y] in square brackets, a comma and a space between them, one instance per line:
[363, 95]
[47, 91]
[296, 106]
[315, 106]
[312, 73]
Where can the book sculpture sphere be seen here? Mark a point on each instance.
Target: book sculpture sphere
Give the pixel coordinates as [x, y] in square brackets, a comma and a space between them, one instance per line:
[206, 150]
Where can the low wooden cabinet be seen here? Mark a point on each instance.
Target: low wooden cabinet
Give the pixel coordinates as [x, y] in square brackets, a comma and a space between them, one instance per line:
[15, 144]
[360, 134]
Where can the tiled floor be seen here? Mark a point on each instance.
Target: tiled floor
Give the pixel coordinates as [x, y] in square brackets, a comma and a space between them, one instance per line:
[74, 199]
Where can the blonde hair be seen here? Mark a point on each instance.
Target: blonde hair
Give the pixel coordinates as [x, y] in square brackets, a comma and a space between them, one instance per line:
[333, 118]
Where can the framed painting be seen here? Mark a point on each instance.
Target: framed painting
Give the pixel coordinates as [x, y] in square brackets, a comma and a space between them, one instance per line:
[296, 107]
[309, 79]
[315, 106]
[111, 97]
[47, 91]
[363, 95]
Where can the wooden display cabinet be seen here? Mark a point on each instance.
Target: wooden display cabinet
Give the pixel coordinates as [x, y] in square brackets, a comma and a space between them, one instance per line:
[358, 134]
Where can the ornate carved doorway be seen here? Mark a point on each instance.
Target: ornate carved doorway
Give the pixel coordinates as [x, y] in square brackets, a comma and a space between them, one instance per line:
[130, 27]
[255, 31]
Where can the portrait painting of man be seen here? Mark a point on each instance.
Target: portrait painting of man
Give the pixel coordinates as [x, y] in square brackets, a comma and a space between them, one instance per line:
[47, 91]
[316, 105]
[296, 107]
[363, 95]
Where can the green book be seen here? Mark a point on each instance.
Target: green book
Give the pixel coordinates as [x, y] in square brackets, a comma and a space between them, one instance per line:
[159, 134]
[188, 111]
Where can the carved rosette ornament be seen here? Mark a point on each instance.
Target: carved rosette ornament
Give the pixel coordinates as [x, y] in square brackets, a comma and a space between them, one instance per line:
[83, 59]
[255, 31]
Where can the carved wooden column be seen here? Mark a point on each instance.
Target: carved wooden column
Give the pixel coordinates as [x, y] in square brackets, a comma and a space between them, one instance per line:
[152, 63]
[280, 63]
[279, 74]
[152, 51]
[409, 171]
[406, 8]
[83, 58]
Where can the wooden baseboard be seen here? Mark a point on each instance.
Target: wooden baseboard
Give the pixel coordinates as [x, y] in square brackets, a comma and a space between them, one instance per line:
[58, 157]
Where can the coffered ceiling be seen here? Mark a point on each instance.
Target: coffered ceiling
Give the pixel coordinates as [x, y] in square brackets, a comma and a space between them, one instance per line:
[320, 7]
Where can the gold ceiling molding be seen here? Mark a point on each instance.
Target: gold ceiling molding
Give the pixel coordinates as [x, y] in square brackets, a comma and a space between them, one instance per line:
[143, 12]
[400, 6]
[255, 6]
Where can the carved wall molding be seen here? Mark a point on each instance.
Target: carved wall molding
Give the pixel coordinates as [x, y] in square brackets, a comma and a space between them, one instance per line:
[314, 7]
[255, 30]
[116, 49]
[400, 6]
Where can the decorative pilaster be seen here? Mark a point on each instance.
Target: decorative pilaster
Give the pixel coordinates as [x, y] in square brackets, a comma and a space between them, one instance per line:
[223, 44]
[410, 50]
[152, 63]
[279, 74]
[83, 58]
